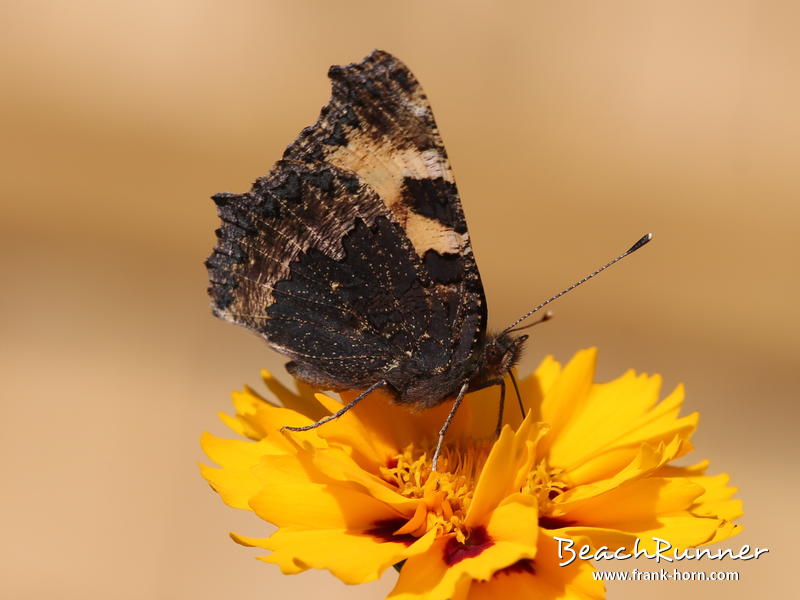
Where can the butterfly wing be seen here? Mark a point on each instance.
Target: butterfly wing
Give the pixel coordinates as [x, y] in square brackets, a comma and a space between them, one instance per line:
[352, 256]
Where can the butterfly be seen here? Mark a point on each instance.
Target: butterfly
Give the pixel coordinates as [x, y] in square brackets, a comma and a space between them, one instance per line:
[352, 256]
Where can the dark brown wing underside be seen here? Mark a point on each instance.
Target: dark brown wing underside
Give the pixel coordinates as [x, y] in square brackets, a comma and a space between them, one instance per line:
[352, 255]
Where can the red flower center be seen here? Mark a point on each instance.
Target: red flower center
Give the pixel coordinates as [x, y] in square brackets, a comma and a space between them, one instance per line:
[384, 531]
[477, 542]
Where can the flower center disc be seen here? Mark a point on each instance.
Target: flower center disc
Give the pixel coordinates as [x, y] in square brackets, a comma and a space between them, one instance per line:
[445, 494]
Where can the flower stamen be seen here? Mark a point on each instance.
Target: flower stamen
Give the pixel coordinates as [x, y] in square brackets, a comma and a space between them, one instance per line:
[546, 484]
[444, 495]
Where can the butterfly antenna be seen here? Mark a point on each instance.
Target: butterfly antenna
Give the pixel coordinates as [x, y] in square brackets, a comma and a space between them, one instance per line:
[642, 241]
[543, 319]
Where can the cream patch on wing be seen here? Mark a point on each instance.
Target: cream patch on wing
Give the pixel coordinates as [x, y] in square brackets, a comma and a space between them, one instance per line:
[426, 234]
[383, 167]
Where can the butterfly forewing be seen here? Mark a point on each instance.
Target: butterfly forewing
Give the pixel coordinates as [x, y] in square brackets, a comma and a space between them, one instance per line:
[352, 256]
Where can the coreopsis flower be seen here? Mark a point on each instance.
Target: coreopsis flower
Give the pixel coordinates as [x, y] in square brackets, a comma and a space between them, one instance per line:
[356, 496]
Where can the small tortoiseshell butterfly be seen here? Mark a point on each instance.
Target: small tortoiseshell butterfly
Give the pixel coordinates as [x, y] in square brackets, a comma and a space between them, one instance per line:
[352, 256]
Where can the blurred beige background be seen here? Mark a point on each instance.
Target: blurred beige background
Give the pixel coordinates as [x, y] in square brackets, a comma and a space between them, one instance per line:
[573, 128]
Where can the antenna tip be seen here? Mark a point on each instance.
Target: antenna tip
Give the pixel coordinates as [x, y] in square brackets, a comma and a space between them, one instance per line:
[642, 241]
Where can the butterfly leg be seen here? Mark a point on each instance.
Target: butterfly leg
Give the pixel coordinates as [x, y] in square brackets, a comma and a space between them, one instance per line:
[502, 384]
[342, 410]
[447, 422]
[516, 389]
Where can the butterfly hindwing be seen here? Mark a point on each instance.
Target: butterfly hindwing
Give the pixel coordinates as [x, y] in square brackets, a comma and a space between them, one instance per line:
[352, 256]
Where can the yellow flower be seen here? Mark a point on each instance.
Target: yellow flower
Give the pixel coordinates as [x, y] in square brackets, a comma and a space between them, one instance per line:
[589, 462]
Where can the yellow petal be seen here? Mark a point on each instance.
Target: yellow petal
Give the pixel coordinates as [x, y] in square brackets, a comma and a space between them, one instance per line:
[339, 466]
[546, 375]
[646, 461]
[247, 404]
[662, 421]
[302, 401]
[417, 522]
[482, 407]
[238, 480]
[288, 498]
[241, 426]
[378, 428]
[353, 557]
[427, 423]
[603, 418]
[646, 508]
[680, 531]
[542, 579]
[234, 486]
[258, 419]
[484, 404]
[369, 442]
[608, 425]
[716, 501]
[565, 399]
[440, 573]
[234, 453]
[505, 469]
[443, 571]
[633, 502]
[515, 521]
[690, 471]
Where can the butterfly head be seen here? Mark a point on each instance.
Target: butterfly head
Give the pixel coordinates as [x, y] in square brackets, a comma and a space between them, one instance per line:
[500, 353]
